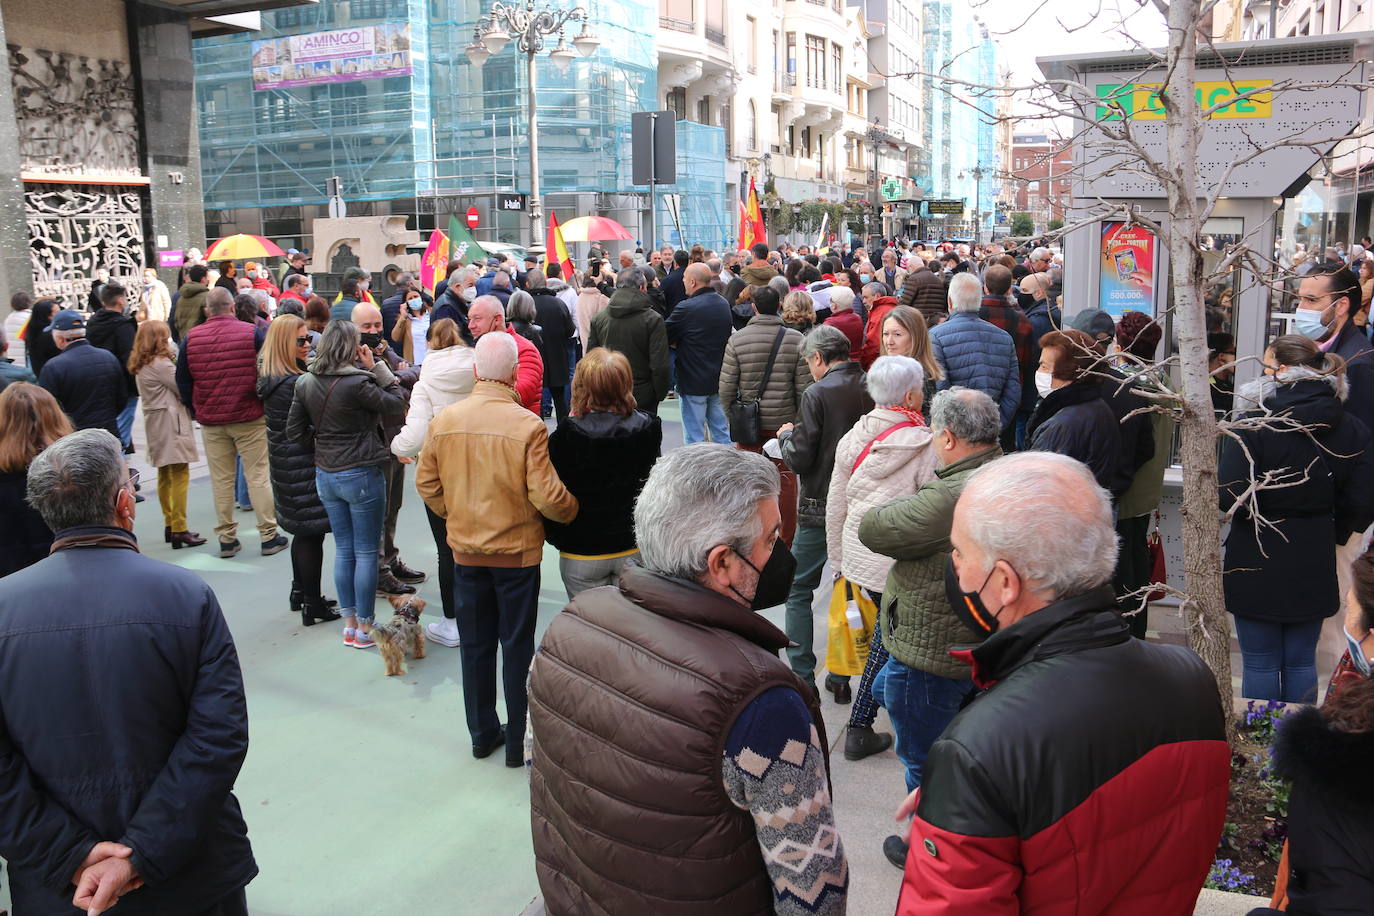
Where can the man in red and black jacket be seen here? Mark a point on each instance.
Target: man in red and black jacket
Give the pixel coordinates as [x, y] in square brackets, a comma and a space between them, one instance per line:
[1090, 773]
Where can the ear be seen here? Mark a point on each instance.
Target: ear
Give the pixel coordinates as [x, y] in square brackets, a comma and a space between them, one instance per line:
[1011, 587]
[719, 563]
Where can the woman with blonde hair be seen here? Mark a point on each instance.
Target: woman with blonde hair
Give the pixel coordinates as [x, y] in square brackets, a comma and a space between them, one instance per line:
[446, 378]
[603, 453]
[291, 465]
[168, 427]
[30, 421]
[904, 333]
[799, 311]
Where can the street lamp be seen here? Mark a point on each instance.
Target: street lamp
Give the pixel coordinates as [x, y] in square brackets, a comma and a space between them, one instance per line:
[529, 25]
[977, 172]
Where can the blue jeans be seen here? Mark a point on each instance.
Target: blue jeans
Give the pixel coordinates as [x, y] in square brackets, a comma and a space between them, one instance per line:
[921, 705]
[356, 502]
[800, 623]
[125, 422]
[1279, 660]
[700, 411]
[240, 485]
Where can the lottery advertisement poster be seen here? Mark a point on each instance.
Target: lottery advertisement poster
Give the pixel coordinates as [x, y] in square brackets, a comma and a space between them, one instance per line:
[1127, 275]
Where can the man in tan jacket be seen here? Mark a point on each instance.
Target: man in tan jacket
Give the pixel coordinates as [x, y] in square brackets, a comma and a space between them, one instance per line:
[485, 468]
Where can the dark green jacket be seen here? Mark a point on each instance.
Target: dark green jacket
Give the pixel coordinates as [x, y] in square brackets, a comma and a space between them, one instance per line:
[630, 324]
[190, 310]
[919, 628]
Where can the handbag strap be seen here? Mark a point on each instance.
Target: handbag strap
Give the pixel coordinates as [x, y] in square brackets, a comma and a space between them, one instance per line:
[905, 424]
[768, 368]
[325, 404]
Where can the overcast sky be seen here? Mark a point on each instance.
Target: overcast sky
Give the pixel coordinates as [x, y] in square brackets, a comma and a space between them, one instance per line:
[1097, 24]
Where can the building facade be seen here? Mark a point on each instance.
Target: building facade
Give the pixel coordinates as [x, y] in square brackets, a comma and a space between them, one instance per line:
[1042, 182]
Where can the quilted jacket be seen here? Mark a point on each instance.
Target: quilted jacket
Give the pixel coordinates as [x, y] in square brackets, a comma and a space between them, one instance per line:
[919, 628]
[746, 353]
[893, 468]
[924, 291]
[977, 354]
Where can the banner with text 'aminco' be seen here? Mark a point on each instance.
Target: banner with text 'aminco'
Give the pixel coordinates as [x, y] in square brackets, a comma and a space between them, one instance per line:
[340, 56]
[1127, 275]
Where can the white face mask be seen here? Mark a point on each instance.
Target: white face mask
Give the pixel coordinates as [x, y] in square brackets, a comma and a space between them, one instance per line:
[469, 293]
[1044, 382]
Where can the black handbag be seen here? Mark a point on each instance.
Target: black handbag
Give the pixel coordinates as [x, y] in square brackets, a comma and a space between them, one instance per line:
[746, 421]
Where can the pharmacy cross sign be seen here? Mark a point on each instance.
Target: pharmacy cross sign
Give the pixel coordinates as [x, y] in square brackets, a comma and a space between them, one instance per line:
[892, 189]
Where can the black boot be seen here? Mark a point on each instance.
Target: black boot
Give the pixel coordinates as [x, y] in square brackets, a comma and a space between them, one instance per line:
[864, 742]
[297, 598]
[167, 535]
[839, 689]
[317, 610]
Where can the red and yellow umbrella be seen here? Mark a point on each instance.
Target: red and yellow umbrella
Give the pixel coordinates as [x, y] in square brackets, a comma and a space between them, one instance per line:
[242, 247]
[594, 228]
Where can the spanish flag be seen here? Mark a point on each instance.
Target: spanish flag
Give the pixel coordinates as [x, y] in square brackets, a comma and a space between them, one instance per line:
[746, 228]
[556, 250]
[758, 232]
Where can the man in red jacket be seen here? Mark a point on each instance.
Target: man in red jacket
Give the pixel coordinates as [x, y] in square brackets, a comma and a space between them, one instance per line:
[486, 315]
[878, 309]
[1090, 773]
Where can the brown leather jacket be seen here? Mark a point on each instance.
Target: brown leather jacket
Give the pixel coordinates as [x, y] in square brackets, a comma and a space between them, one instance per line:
[632, 696]
[485, 468]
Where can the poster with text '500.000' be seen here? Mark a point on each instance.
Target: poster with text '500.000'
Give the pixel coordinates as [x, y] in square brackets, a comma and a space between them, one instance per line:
[1127, 274]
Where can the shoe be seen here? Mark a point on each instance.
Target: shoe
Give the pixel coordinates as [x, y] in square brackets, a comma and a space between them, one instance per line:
[387, 584]
[895, 848]
[296, 599]
[349, 633]
[672, 395]
[481, 751]
[406, 574]
[243, 508]
[864, 742]
[839, 689]
[515, 754]
[229, 549]
[317, 610]
[362, 640]
[182, 539]
[129, 449]
[276, 545]
[167, 535]
[139, 497]
[445, 633]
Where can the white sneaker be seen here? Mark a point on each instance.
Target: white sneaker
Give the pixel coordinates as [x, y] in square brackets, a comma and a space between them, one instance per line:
[445, 633]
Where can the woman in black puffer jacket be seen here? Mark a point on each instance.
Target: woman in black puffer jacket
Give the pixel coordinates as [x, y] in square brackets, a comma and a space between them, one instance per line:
[603, 454]
[292, 466]
[1072, 418]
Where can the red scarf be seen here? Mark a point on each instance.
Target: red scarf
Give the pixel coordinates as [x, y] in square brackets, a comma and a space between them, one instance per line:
[913, 415]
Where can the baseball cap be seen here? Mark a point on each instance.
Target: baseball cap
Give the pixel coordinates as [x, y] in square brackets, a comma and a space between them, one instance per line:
[493, 262]
[66, 320]
[1096, 323]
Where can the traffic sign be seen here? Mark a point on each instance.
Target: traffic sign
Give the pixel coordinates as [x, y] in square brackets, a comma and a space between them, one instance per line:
[473, 217]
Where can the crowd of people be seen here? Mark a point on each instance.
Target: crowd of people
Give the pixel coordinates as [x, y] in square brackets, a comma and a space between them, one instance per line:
[922, 421]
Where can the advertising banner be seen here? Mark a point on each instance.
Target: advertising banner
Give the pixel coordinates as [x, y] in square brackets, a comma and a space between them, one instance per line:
[1127, 271]
[340, 56]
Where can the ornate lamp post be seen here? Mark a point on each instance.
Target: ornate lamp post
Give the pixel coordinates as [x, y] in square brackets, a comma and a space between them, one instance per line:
[977, 173]
[529, 25]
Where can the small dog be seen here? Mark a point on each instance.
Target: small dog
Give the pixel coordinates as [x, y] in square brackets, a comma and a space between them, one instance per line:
[401, 632]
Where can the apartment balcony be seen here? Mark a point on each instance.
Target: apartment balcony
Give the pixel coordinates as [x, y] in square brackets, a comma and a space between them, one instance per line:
[683, 40]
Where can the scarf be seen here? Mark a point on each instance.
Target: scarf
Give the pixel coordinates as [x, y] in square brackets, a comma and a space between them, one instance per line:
[913, 415]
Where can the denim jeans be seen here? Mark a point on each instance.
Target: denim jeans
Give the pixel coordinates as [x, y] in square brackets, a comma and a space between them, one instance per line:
[580, 575]
[700, 412]
[240, 485]
[809, 549]
[920, 705]
[496, 606]
[125, 422]
[356, 502]
[1279, 660]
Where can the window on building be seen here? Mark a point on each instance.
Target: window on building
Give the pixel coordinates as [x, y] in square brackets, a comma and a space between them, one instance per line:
[704, 110]
[751, 38]
[775, 146]
[805, 150]
[677, 14]
[792, 58]
[676, 102]
[715, 21]
[837, 68]
[752, 127]
[727, 120]
[815, 62]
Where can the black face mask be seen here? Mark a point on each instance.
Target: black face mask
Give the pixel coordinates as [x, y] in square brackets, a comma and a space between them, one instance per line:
[775, 579]
[968, 607]
[371, 340]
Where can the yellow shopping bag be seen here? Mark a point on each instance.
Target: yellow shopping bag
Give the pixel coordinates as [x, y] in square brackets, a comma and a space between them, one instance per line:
[852, 619]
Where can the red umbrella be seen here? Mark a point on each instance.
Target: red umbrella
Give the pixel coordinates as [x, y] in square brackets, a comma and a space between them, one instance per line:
[594, 228]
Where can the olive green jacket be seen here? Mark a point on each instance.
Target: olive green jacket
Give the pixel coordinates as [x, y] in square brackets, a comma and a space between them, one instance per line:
[919, 628]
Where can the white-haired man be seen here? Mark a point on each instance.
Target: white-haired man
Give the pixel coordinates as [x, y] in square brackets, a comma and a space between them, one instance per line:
[487, 315]
[485, 469]
[1091, 773]
[666, 696]
[975, 353]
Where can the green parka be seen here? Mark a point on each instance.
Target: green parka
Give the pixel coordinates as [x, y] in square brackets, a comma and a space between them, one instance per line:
[919, 628]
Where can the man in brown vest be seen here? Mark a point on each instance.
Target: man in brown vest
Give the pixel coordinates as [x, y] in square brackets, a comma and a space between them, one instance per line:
[679, 766]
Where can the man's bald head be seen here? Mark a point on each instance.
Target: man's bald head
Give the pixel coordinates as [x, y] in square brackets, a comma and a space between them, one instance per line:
[486, 314]
[627, 257]
[697, 276]
[367, 317]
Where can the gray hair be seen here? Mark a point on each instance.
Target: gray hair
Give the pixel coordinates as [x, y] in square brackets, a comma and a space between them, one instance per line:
[69, 335]
[72, 483]
[520, 307]
[500, 278]
[630, 278]
[294, 280]
[696, 498]
[219, 301]
[291, 306]
[1044, 515]
[496, 357]
[779, 286]
[403, 278]
[535, 279]
[4, 339]
[830, 342]
[878, 289]
[965, 293]
[967, 413]
[841, 299]
[261, 296]
[337, 348]
[891, 377]
[461, 276]
[714, 264]
[1041, 254]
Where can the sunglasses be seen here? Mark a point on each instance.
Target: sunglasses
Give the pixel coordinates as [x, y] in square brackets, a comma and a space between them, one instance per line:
[302, 341]
[133, 479]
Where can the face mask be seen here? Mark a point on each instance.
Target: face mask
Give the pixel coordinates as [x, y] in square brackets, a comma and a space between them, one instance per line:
[469, 293]
[775, 579]
[1357, 656]
[363, 285]
[371, 339]
[1308, 323]
[864, 278]
[1044, 383]
[415, 304]
[968, 607]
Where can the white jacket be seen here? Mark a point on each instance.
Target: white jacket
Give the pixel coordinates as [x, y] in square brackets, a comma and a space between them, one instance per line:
[893, 468]
[446, 377]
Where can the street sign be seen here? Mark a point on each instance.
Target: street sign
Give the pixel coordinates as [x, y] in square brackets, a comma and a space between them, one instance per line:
[892, 189]
[945, 207]
[653, 145]
[473, 217]
[510, 202]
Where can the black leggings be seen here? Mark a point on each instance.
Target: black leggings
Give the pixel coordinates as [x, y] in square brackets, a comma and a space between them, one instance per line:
[439, 528]
[307, 563]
